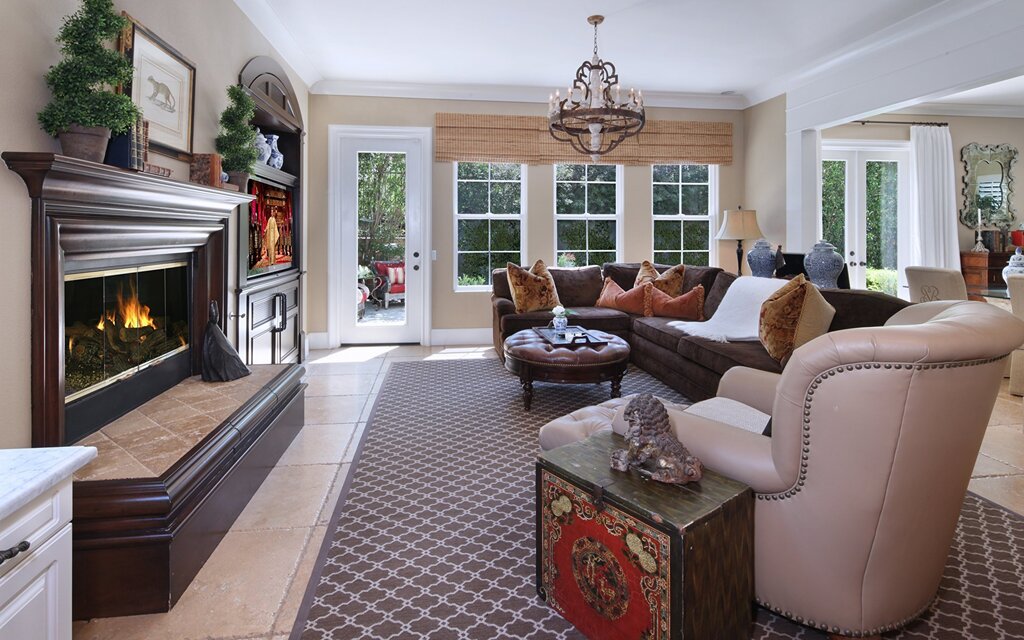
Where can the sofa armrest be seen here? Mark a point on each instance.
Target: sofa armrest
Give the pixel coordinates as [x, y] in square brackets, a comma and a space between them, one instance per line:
[500, 308]
[752, 387]
[735, 453]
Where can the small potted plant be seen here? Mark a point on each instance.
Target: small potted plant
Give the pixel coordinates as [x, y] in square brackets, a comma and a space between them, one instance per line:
[85, 110]
[237, 139]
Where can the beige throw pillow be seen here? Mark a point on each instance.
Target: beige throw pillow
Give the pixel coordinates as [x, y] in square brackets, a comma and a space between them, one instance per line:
[671, 282]
[794, 315]
[532, 290]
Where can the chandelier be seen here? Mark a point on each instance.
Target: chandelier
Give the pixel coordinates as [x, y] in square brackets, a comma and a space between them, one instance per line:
[593, 117]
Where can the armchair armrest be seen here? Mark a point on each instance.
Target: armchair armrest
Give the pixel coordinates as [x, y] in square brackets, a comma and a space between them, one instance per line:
[752, 387]
[738, 454]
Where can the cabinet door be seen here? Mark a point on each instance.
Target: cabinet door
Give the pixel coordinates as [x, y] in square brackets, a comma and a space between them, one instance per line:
[35, 598]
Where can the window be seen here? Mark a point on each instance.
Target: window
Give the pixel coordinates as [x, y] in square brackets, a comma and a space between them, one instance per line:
[489, 203]
[586, 214]
[684, 197]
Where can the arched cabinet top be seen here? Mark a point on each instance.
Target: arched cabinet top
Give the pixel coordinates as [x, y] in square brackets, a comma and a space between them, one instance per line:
[276, 104]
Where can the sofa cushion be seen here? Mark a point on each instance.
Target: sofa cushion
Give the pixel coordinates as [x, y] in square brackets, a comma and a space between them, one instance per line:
[689, 306]
[669, 282]
[717, 291]
[589, 317]
[722, 356]
[499, 284]
[860, 308]
[793, 316]
[637, 300]
[624, 274]
[578, 286]
[532, 290]
[663, 332]
[705, 276]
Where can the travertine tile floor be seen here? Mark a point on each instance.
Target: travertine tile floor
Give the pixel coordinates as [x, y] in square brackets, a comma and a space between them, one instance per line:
[251, 587]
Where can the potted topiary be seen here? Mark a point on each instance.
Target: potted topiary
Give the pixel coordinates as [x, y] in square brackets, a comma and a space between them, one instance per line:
[85, 110]
[237, 139]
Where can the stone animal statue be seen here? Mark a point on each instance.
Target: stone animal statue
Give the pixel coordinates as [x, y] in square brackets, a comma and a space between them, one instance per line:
[653, 448]
[161, 95]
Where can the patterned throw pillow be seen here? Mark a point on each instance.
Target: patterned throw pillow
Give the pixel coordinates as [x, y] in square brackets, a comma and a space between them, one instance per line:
[794, 315]
[671, 282]
[396, 275]
[532, 290]
[637, 300]
[689, 306]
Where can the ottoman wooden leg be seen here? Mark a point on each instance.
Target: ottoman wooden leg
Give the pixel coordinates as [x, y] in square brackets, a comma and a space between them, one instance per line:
[617, 386]
[527, 392]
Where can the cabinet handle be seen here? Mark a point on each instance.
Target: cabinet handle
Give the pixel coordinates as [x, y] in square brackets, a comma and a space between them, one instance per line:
[7, 554]
[284, 311]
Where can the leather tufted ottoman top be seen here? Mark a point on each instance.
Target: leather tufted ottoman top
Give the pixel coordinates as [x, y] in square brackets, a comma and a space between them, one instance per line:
[528, 346]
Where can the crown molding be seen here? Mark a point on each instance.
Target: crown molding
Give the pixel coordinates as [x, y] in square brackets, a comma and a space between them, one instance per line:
[959, 109]
[508, 93]
[268, 23]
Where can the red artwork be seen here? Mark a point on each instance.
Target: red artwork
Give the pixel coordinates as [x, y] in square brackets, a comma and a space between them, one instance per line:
[604, 571]
[270, 229]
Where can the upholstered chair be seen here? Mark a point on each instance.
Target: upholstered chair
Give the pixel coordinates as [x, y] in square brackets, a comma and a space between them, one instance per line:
[1015, 285]
[874, 434]
[930, 283]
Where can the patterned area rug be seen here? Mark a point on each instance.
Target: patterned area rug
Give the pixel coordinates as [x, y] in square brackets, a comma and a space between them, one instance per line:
[434, 536]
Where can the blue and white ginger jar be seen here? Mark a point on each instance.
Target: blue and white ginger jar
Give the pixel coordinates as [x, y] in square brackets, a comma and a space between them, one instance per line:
[1015, 267]
[823, 265]
[262, 147]
[761, 259]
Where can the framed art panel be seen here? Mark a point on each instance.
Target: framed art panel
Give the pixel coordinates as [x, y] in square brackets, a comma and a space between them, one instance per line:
[163, 87]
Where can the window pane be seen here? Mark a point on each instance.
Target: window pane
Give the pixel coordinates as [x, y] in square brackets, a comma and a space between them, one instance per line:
[472, 235]
[665, 173]
[600, 257]
[695, 200]
[501, 260]
[666, 200]
[667, 257]
[505, 197]
[505, 235]
[695, 235]
[472, 197]
[473, 268]
[570, 198]
[695, 258]
[572, 235]
[601, 199]
[667, 235]
[567, 259]
[833, 202]
[694, 173]
[570, 171]
[473, 170]
[601, 173]
[502, 171]
[602, 235]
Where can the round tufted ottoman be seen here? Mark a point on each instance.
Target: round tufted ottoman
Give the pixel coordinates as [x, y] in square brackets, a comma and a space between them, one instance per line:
[533, 358]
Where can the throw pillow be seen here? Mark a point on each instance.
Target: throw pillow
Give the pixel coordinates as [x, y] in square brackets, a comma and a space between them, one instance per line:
[396, 275]
[689, 306]
[637, 300]
[671, 282]
[794, 315]
[532, 290]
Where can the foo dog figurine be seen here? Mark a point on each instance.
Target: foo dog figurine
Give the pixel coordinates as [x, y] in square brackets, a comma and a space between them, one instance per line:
[653, 448]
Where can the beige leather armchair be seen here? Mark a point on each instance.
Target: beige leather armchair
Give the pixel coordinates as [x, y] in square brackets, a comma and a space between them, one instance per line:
[875, 432]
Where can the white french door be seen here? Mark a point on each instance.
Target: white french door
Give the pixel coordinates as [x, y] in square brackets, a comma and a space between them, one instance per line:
[864, 211]
[379, 230]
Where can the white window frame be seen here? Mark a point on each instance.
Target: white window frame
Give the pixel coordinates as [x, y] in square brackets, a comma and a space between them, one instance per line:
[587, 216]
[456, 217]
[711, 217]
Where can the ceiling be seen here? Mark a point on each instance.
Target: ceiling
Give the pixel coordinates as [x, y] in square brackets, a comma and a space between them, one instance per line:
[690, 46]
[1008, 93]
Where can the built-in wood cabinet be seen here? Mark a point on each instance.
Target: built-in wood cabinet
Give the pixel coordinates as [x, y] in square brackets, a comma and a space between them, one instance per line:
[269, 328]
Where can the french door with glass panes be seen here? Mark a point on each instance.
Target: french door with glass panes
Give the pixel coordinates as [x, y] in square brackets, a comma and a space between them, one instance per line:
[864, 212]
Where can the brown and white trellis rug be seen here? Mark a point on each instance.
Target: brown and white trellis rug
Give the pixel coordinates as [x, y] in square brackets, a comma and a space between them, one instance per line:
[434, 535]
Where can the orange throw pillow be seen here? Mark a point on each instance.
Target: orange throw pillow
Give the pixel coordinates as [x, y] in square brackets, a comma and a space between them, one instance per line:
[637, 300]
[671, 282]
[689, 306]
[532, 290]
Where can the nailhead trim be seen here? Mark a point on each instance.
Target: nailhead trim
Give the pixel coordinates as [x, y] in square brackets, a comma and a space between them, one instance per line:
[802, 478]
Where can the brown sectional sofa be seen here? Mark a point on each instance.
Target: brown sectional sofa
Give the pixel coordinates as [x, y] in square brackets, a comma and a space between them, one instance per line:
[691, 365]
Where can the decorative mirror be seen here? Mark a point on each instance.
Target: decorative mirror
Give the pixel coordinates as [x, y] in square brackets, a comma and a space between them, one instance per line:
[988, 186]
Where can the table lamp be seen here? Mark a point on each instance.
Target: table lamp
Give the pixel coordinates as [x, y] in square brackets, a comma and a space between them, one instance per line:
[739, 224]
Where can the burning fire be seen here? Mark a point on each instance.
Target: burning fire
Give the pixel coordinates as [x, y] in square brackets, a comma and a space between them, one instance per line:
[133, 314]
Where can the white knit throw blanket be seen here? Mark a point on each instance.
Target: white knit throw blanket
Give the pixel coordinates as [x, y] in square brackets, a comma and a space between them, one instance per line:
[738, 316]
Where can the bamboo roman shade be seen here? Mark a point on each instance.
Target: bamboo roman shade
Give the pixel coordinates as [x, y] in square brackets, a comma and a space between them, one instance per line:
[462, 137]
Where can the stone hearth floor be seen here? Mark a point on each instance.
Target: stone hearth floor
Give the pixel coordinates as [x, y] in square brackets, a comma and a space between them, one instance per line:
[252, 585]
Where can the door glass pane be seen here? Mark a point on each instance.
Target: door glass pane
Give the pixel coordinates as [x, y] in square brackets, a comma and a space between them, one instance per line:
[882, 203]
[833, 203]
[380, 291]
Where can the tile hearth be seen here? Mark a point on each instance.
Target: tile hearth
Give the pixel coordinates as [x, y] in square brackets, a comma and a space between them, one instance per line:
[145, 442]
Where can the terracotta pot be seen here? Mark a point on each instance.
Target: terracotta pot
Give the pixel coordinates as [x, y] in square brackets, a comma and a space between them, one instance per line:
[85, 143]
[239, 178]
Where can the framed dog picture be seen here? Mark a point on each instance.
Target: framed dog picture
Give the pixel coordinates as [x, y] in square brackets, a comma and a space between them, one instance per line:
[163, 88]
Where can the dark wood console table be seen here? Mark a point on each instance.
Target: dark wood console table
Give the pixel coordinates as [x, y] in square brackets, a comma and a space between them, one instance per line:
[983, 269]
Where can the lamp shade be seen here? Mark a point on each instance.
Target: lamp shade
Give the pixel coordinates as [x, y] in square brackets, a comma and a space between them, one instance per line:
[739, 224]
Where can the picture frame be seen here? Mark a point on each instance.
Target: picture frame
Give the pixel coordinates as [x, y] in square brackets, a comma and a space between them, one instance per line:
[162, 87]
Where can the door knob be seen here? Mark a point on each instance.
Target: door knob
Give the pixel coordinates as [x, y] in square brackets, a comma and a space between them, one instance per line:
[415, 267]
[415, 254]
[853, 263]
[863, 264]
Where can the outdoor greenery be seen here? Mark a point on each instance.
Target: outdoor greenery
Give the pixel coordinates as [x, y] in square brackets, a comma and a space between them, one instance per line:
[679, 191]
[381, 207]
[884, 280]
[585, 189]
[488, 207]
[833, 203]
[82, 82]
[237, 139]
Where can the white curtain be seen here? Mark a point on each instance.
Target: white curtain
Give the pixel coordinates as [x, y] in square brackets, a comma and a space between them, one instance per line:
[933, 215]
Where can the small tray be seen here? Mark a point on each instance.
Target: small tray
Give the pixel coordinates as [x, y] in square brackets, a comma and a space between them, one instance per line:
[580, 337]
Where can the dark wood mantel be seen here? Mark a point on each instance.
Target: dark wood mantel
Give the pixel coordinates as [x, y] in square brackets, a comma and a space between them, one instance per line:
[84, 212]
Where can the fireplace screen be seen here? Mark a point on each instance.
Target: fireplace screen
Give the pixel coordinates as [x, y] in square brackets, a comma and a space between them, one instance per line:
[120, 321]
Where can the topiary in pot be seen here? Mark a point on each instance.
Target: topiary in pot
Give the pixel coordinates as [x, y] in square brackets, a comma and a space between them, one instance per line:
[84, 110]
[237, 139]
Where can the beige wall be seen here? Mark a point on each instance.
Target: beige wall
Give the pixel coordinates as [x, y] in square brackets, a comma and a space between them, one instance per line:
[963, 130]
[214, 35]
[765, 166]
[472, 310]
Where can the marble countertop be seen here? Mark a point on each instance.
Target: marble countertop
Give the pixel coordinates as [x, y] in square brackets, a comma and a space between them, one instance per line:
[26, 474]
